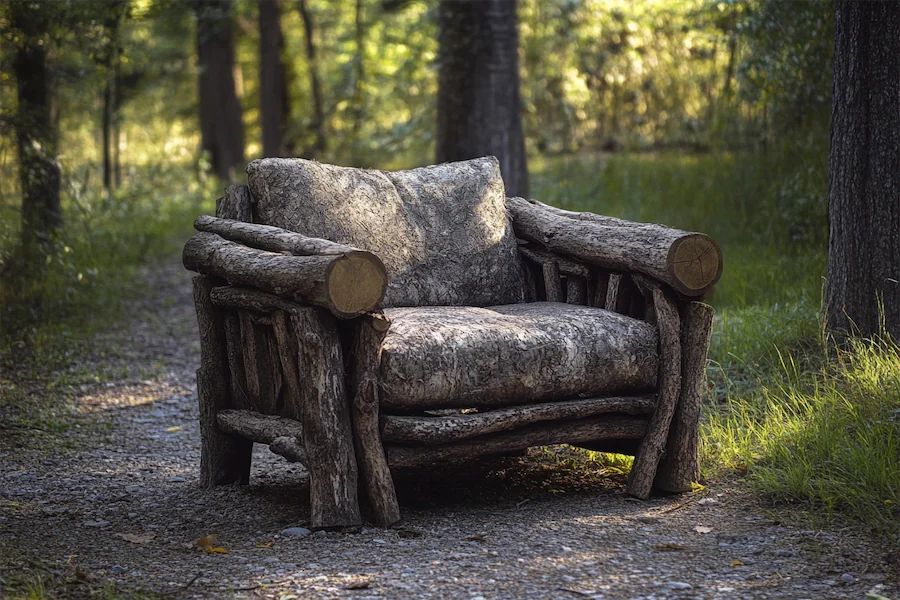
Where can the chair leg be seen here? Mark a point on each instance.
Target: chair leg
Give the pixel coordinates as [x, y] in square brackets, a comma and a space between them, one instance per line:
[224, 458]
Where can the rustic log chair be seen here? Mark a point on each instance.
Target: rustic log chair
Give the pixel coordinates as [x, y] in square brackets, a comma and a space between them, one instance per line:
[429, 318]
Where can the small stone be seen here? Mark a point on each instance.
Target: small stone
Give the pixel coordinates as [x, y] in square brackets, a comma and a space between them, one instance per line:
[295, 532]
[678, 585]
[175, 479]
[785, 553]
[847, 578]
[118, 570]
[378, 541]
[132, 515]
[96, 524]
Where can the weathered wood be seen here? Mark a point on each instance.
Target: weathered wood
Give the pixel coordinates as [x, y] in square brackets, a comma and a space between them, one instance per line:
[690, 262]
[324, 418]
[442, 231]
[250, 353]
[238, 380]
[680, 466]
[465, 357]
[566, 265]
[600, 287]
[224, 458]
[365, 362]
[643, 470]
[287, 353]
[347, 284]
[585, 430]
[250, 299]
[273, 239]
[615, 296]
[552, 281]
[284, 436]
[576, 290]
[290, 448]
[269, 373]
[441, 430]
[235, 204]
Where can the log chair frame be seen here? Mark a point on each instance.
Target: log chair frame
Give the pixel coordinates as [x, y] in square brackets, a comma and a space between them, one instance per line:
[280, 350]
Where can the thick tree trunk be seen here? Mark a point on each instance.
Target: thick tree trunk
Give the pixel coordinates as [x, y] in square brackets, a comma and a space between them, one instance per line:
[221, 124]
[37, 129]
[357, 102]
[315, 81]
[479, 110]
[274, 104]
[863, 279]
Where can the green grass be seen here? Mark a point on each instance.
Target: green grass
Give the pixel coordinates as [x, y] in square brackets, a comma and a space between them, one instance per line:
[804, 427]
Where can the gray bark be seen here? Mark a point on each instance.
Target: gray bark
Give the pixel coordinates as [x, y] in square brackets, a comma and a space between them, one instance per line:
[235, 204]
[690, 262]
[479, 111]
[348, 284]
[269, 238]
[442, 357]
[863, 277]
[224, 458]
[441, 231]
[453, 428]
[284, 436]
[680, 466]
[643, 470]
[582, 431]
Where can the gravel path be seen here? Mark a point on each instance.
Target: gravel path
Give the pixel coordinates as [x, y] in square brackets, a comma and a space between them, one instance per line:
[117, 501]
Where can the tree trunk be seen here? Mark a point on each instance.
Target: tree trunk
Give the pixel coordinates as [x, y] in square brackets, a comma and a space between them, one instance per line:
[274, 104]
[37, 129]
[357, 102]
[863, 279]
[479, 111]
[315, 81]
[221, 124]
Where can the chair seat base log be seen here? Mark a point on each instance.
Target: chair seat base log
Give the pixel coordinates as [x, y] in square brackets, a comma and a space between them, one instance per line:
[224, 458]
[595, 429]
[445, 429]
[680, 467]
[284, 436]
[644, 468]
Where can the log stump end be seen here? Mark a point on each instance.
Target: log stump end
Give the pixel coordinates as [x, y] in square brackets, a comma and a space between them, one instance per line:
[695, 261]
[356, 283]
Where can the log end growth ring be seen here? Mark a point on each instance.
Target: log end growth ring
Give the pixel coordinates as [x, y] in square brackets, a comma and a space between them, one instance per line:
[356, 283]
[695, 261]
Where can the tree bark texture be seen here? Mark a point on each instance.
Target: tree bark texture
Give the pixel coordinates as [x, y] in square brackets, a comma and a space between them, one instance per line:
[441, 231]
[315, 81]
[325, 420]
[268, 238]
[863, 277]
[366, 356]
[221, 117]
[274, 105]
[644, 468]
[236, 204]
[594, 429]
[347, 284]
[479, 110]
[453, 428]
[680, 466]
[464, 357]
[37, 129]
[284, 436]
[690, 262]
[224, 458]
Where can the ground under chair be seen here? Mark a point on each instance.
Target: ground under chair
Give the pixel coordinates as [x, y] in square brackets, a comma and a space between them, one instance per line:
[363, 321]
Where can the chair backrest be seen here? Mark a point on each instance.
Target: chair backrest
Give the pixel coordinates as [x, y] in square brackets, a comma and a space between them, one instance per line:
[442, 231]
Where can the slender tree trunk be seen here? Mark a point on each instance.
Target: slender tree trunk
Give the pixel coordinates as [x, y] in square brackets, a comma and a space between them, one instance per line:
[274, 106]
[478, 108]
[357, 102]
[221, 124]
[864, 172]
[37, 129]
[314, 79]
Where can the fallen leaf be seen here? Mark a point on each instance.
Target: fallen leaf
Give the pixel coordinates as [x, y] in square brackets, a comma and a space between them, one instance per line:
[358, 585]
[216, 550]
[268, 544]
[669, 547]
[137, 539]
[205, 542]
[476, 538]
[703, 529]
[175, 428]
[737, 563]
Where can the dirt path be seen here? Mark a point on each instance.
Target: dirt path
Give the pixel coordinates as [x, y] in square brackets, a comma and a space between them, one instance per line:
[118, 501]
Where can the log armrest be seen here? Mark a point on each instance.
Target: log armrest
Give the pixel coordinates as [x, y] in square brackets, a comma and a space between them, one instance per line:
[689, 262]
[345, 280]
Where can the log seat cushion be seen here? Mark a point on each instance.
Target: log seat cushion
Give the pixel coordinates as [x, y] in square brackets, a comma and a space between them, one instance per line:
[441, 231]
[465, 357]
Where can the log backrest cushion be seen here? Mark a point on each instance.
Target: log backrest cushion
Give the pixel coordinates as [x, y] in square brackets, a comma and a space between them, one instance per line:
[442, 231]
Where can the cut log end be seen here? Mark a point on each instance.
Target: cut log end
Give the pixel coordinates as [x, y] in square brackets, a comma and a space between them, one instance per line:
[695, 261]
[356, 283]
